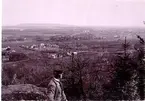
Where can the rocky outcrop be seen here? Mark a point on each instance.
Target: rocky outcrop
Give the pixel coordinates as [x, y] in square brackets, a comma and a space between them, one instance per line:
[23, 92]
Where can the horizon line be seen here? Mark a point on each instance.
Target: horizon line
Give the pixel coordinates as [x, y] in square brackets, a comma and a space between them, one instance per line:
[20, 24]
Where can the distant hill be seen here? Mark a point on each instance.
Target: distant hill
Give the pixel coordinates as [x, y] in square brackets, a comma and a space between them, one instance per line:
[107, 32]
[39, 26]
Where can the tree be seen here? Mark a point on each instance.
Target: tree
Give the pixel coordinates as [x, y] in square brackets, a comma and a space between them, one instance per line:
[141, 66]
[76, 68]
[123, 86]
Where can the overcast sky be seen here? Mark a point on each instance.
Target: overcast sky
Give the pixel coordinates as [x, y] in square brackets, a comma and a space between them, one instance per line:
[75, 12]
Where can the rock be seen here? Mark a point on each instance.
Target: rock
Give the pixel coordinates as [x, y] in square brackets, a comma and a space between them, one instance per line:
[23, 92]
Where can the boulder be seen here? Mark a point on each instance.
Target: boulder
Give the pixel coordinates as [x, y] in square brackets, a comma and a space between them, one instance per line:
[23, 92]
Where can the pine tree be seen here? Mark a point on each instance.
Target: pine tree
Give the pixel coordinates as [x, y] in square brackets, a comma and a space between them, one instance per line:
[141, 66]
[123, 86]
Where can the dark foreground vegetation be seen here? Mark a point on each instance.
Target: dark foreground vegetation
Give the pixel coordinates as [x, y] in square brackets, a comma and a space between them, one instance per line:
[105, 72]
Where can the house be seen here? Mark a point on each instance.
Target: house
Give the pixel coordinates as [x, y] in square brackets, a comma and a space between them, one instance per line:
[72, 53]
[33, 46]
[8, 48]
[54, 56]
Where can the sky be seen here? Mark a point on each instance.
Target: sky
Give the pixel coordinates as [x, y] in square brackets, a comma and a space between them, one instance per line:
[74, 12]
